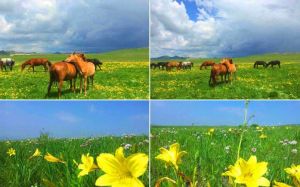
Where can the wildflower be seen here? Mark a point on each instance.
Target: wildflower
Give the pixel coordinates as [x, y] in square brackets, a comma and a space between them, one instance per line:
[253, 149]
[121, 171]
[293, 142]
[263, 136]
[230, 129]
[51, 158]
[227, 149]
[294, 171]
[87, 165]
[36, 153]
[127, 146]
[294, 151]
[280, 184]
[11, 152]
[249, 173]
[171, 156]
[210, 131]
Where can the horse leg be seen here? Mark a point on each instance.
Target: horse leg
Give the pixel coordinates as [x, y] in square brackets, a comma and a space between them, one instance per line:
[81, 84]
[45, 67]
[60, 84]
[85, 84]
[49, 87]
[71, 85]
[279, 65]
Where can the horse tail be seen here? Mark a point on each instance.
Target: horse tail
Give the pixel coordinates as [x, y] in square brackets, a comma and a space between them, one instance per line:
[53, 73]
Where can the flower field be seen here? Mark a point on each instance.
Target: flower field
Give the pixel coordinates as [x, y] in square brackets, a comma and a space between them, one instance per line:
[208, 156]
[124, 75]
[261, 83]
[75, 162]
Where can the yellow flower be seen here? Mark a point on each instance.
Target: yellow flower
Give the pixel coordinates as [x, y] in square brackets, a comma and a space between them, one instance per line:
[263, 136]
[280, 184]
[294, 171]
[11, 152]
[171, 156]
[230, 129]
[36, 153]
[249, 173]
[121, 171]
[87, 165]
[51, 158]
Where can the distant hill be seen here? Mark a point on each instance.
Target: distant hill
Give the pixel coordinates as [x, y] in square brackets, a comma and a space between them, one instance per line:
[169, 58]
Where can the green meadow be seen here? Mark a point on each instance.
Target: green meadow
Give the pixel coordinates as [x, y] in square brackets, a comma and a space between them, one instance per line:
[19, 170]
[124, 75]
[208, 156]
[261, 83]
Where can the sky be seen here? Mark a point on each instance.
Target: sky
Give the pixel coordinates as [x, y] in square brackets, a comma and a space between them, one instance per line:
[218, 28]
[214, 113]
[27, 119]
[73, 25]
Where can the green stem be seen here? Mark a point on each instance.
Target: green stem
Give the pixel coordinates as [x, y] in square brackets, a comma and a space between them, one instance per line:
[244, 128]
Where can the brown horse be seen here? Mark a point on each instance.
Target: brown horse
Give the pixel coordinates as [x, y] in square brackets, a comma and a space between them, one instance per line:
[36, 62]
[221, 69]
[231, 68]
[206, 63]
[173, 64]
[85, 68]
[62, 71]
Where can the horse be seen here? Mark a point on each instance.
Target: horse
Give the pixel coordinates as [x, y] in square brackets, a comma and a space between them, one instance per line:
[7, 62]
[273, 63]
[1, 65]
[96, 62]
[231, 68]
[187, 65]
[153, 65]
[36, 62]
[60, 72]
[257, 63]
[221, 69]
[85, 68]
[162, 65]
[206, 63]
[172, 65]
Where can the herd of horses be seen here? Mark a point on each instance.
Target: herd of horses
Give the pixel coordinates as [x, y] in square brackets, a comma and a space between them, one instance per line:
[226, 69]
[67, 70]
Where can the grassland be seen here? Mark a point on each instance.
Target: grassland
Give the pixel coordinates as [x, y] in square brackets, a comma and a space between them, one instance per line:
[212, 154]
[19, 170]
[124, 75]
[283, 83]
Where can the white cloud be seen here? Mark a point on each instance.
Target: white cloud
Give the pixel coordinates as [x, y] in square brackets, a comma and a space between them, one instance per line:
[225, 27]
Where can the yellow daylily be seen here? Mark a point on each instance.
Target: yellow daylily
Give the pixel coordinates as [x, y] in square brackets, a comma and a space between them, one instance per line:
[294, 171]
[87, 165]
[36, 153]
[121, 171]
[51, 158]
[171, 156]
[280, 184]
[263, 136]
[11, 152]
[249, 173]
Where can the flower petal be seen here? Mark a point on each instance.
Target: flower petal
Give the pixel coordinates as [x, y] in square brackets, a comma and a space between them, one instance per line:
[137, 164]
[128, 182]
[263, 182]
[120, 154]
[106, 180]
[109, 164]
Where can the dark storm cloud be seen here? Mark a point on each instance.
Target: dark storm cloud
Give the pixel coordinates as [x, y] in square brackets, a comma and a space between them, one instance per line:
[81, 25]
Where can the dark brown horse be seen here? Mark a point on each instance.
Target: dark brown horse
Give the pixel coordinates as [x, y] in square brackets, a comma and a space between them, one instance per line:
[1, 65]
[206, 63]
[172, 65]
[36, 62]
[60, 72]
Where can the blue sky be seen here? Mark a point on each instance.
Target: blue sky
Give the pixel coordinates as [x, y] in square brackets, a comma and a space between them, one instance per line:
[27, 119]
[218, 28]
[73, 25]
[224, 112]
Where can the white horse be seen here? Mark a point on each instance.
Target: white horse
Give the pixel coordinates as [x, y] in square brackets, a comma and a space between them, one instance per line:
[8, 62]
[187, 65]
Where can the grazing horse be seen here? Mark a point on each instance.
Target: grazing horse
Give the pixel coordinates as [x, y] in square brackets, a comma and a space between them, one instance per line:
[231, 68]
[273, 63]
[162, 65]
[36, 62]
[172, 65]
[96, 62]
[221, 69]
[7, 62]
[187, 65]
[60, 72]
[257, 63]
[1, 65]
[85, 68]
[153, 65]
[207, 63]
